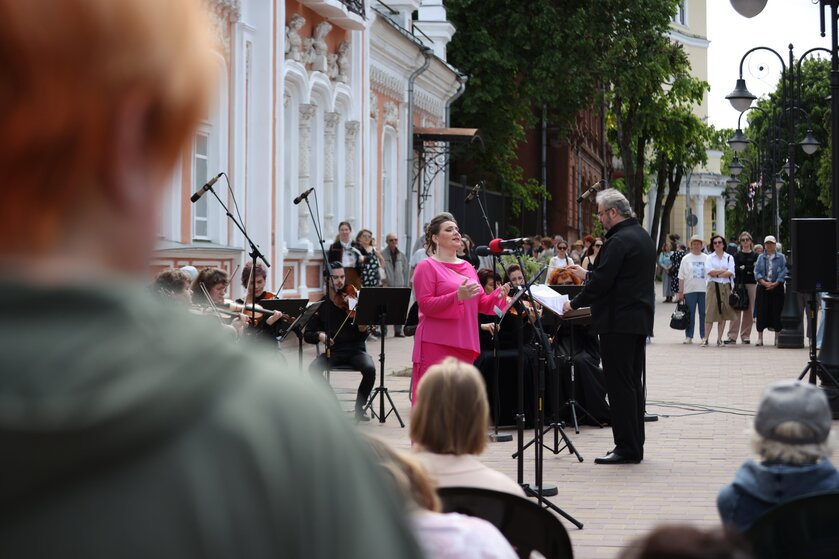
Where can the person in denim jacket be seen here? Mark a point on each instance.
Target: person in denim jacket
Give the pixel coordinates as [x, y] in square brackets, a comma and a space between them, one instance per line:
[793, 437]
[770, 272]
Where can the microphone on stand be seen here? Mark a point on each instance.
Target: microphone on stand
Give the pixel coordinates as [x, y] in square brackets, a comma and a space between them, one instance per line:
[303, 195]
[592, 190]
[497, 246]
[200, 192]
[484, 250]
[474, 192]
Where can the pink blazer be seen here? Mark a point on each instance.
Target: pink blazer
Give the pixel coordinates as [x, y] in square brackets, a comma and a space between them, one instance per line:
[442, 318]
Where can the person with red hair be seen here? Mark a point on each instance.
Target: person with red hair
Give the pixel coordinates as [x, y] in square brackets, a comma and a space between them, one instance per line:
[131, 428]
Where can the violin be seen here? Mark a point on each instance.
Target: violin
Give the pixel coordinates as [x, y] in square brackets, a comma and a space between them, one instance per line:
[259, 311]
[240, 308]
[346, 299]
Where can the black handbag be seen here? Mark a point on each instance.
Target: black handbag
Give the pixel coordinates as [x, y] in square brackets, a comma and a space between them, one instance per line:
[739, 298]
[680, 317]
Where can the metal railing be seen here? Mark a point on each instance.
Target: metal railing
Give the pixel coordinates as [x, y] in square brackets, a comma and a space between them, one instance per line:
[355, 6]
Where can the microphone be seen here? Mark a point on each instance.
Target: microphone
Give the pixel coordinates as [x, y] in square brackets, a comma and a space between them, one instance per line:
[200, 192]
[592, 190]
[497, 246]
[474, 192]
[303, 196]
[484, 250]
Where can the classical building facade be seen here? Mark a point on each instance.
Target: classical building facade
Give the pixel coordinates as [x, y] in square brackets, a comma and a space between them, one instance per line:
[321, 94]
[700, 207]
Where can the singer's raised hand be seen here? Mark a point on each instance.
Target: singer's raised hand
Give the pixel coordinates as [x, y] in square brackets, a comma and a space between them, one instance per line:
[468, 290]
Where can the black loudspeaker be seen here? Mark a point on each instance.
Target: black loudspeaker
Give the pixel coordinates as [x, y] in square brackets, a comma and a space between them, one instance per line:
[813, 254]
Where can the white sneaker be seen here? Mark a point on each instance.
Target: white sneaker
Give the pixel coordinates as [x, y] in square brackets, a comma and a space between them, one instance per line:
[688, 341]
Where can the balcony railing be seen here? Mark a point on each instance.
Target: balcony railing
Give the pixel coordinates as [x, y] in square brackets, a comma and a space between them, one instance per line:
[355, 6]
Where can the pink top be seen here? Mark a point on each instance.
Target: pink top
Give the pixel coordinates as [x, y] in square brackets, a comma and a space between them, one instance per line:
[442, 318]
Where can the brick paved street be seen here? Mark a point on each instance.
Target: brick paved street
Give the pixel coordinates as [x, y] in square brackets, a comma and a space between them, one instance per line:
[705, 398]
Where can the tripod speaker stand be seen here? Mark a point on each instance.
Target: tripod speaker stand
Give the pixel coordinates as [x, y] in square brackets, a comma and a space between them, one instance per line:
[814, 366]
[382, 306]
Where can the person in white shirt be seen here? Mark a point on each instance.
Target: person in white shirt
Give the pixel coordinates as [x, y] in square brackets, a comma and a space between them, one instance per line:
[692, 286]
[447, 438]
[720, 272]
[441, 536]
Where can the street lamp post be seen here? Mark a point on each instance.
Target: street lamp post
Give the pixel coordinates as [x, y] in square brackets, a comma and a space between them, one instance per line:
[792, 335]
[829, 353]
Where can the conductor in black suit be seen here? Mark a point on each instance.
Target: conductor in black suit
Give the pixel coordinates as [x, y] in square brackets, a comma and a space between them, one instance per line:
[620, 289]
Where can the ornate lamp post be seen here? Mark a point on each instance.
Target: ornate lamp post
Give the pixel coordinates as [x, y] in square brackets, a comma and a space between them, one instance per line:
[829, 354]
[792, 336]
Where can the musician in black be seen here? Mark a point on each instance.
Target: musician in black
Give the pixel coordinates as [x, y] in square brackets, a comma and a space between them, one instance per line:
[344, 342]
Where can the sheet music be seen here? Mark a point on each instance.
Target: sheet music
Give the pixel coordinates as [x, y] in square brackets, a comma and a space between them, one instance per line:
[549, 298]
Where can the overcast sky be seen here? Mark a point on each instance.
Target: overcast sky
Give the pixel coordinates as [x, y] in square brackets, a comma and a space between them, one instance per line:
[782, 22]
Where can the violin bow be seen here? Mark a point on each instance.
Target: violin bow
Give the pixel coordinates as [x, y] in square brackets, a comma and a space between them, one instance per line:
[277, 294]
[210, 301]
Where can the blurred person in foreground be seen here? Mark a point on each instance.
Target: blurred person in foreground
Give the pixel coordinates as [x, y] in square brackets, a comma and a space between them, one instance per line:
[130, 428]
[441, 535]
[682, 541]
[793, 437]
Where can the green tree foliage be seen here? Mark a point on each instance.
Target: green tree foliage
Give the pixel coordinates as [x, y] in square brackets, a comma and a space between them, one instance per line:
[519, 56]
[680, 143]
[567, 55]
[769, 132]
[649, 86]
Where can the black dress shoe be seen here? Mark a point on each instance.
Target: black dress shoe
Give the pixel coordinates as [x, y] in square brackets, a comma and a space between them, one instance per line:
[615, 458]
[361, 417]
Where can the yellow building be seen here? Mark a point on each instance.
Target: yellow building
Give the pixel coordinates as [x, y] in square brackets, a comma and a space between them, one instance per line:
[704, 185]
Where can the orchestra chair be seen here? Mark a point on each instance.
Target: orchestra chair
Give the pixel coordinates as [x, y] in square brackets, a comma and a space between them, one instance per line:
[527, 526]
[338, 369]
[806, 527]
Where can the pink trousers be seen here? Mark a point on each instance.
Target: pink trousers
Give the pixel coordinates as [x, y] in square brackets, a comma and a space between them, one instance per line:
[431, 354]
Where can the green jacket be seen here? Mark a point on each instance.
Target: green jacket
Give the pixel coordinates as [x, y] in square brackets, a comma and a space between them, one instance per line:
[130, 428]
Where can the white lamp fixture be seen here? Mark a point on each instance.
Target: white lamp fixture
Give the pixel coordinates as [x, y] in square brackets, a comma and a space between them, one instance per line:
[741, 98]
[809, 144]
[738, 141]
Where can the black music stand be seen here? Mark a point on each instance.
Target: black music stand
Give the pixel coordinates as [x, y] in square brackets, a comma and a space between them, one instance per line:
[298, 326]
[382, 306]
[573, 321]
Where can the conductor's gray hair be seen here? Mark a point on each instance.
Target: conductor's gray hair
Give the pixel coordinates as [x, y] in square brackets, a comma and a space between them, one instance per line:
[611, 198]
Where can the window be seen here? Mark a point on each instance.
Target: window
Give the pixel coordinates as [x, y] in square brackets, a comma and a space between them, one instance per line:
[680, 16]
[200, 164]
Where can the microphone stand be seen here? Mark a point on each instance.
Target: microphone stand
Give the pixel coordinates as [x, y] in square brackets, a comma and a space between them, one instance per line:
[539, 490]
[328, 279]
[255, 253]
[495, 436]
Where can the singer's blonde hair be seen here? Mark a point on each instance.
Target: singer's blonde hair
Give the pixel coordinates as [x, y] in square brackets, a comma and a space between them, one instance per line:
[68, 69]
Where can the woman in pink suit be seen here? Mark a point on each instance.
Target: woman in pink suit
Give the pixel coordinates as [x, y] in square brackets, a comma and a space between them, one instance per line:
[450, 297]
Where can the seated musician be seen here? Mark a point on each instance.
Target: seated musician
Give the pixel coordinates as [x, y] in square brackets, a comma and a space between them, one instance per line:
[509, 350]
[487, 323]
[173, 284]
[267, 327]
[344, 341]
[214, 282]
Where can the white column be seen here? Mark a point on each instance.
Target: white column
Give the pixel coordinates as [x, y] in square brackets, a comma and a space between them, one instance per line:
[350, 138]
[307, 111]
[721, 217]
[700, 215]
[331, 120]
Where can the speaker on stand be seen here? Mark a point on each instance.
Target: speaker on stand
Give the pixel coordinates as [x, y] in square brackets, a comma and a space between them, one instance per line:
[814, 271]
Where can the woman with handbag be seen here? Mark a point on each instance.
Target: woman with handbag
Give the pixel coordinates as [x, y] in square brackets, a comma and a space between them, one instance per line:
[745, 283]
[770, 273]
[720, 268]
